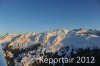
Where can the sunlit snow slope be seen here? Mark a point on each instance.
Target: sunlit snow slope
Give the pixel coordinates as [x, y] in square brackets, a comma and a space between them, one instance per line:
[21, 49]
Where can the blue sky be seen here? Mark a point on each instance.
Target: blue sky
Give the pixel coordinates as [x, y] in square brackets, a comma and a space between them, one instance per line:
[21, 16]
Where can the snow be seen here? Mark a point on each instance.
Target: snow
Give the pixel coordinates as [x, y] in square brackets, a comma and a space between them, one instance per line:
[81, 41]
[59, 40]
[2, 59]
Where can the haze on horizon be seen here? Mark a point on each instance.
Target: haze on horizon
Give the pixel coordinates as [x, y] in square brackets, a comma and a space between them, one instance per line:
[21, 16]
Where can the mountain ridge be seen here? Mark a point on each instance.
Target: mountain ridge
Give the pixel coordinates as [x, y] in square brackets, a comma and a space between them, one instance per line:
[20, 48]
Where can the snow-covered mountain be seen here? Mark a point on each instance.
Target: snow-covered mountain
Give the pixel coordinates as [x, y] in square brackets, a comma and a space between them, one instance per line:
[22, 49]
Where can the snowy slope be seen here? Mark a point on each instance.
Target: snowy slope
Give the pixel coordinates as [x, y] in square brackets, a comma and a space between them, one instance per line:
[26, 47]
[2, 59]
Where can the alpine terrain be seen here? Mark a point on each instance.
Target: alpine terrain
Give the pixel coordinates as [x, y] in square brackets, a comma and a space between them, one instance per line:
[28, 49]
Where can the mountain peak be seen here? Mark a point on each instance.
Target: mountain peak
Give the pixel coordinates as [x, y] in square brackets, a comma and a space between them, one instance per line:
[59, 41]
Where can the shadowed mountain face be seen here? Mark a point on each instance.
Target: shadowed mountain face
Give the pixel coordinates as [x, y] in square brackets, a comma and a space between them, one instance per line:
[2, 58]
[27, 49]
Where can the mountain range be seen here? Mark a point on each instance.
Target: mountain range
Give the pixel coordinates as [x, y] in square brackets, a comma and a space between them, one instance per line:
[23, 49]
